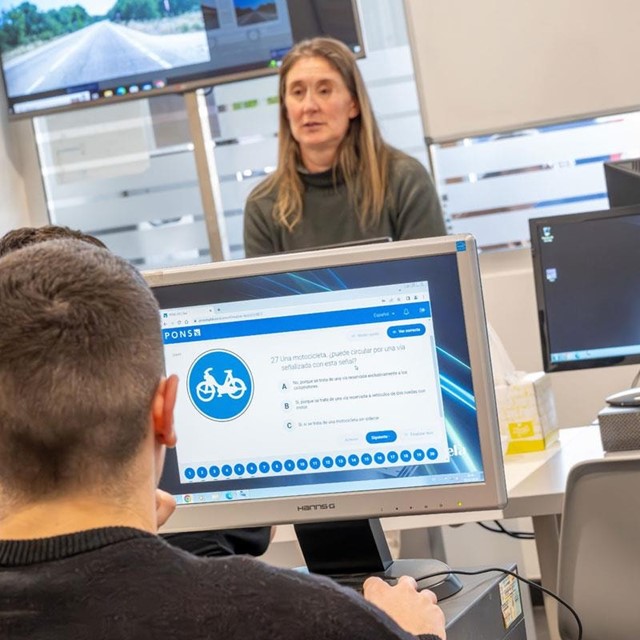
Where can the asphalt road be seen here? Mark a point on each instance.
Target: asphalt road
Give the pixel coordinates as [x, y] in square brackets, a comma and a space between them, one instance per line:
[101, 51]
[256, 17]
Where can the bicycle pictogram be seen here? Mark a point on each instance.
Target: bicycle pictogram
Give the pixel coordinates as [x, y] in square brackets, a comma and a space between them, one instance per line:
[209, 387]
[220, 385]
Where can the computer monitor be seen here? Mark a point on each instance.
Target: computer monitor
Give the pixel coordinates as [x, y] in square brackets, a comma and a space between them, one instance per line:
[623, 182]
[331, 386]
[58, 56]
[587, 279]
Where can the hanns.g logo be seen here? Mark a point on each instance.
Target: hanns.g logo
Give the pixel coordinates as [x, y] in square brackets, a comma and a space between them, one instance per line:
[220, 385]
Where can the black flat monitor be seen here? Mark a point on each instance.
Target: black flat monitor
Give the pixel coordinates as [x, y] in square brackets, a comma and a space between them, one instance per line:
[58, 55]
[587, 281]
[329, 389]
[623, 182]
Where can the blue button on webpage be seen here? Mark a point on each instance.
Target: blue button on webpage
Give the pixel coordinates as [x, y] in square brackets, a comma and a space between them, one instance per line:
[376, 437]
[406, 331]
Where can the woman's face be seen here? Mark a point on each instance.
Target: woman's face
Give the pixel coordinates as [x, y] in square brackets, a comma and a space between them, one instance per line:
[318, 104]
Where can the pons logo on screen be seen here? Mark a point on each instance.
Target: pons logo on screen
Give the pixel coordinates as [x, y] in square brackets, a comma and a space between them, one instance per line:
[220, 385]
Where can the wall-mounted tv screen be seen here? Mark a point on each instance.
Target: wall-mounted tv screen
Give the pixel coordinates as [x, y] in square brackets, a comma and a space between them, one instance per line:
[58, 54]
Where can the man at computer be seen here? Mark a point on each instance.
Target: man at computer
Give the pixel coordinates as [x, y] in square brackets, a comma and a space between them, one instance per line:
[85, 416]
[251, 541]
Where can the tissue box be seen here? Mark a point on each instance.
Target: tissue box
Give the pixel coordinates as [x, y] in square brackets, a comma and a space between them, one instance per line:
[527, 413]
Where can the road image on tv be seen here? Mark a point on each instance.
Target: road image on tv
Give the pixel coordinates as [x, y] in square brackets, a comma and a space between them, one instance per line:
[51, 44]
[255, 11]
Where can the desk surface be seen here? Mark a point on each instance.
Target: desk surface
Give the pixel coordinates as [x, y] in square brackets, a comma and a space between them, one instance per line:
[538, 480]
[535, 484]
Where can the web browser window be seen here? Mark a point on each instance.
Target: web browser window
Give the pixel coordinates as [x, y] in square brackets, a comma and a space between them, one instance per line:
[348, 379]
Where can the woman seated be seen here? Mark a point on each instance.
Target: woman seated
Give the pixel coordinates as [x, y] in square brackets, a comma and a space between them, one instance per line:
[337, 180]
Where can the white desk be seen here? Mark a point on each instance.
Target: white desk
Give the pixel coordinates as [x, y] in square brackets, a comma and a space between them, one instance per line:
[535, 486]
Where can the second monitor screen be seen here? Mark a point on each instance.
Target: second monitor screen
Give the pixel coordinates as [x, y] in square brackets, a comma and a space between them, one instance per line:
[588, 277]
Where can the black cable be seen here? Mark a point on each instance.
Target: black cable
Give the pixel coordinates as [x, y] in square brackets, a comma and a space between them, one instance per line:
[531, 583]
[519, 535]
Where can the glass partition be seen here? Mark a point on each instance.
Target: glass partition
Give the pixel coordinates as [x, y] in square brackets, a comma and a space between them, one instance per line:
[490, 186]
[126, 173]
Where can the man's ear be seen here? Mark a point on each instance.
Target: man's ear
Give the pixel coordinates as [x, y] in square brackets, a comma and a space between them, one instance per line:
[162, 407]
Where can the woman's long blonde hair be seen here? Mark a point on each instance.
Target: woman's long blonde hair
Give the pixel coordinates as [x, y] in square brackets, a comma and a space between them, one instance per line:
[362, 158]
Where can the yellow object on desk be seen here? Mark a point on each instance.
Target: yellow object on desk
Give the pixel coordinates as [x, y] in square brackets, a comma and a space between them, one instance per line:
[527, 413]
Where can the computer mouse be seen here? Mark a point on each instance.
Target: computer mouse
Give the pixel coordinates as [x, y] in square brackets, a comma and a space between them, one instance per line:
[626, 398]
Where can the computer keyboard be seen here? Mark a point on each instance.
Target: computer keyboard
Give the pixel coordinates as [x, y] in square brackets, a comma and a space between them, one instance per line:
[356, 580]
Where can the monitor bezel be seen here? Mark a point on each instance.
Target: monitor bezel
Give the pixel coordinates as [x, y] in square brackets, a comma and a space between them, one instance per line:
[178, 87]
[545, 342]
[488, 495]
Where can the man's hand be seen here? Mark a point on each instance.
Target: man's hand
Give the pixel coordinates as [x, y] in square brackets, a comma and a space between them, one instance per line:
[415, 611]
[165, 506]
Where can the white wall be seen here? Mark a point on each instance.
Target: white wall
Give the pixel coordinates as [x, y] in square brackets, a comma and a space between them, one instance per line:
[497, 65]
[13, 201]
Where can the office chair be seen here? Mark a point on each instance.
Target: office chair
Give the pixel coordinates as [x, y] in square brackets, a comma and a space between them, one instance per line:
[599, 563]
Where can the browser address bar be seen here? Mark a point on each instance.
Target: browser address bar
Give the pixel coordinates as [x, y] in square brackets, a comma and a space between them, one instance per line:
[285, 310]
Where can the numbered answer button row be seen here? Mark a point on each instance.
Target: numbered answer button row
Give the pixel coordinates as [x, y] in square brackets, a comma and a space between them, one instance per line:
[315, 463]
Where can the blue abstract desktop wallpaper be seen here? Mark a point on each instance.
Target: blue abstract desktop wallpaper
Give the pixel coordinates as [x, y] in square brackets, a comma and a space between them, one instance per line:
[441, 272]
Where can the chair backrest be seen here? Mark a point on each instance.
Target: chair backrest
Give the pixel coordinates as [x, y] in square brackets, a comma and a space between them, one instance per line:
[599, 564]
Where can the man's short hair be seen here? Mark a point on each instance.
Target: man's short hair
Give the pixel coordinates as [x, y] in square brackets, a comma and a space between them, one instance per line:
[26, 236]
[80, 359]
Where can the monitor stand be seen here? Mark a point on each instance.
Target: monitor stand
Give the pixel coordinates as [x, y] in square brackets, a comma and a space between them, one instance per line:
[350, 550]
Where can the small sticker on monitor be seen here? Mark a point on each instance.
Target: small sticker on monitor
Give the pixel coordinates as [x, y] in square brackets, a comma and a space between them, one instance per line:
[461, 245]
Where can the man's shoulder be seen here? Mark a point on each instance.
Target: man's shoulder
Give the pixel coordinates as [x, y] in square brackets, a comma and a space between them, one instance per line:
[157, 559]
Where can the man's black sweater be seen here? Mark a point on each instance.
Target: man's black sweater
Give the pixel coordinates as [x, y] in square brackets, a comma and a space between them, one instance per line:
[125, 584]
